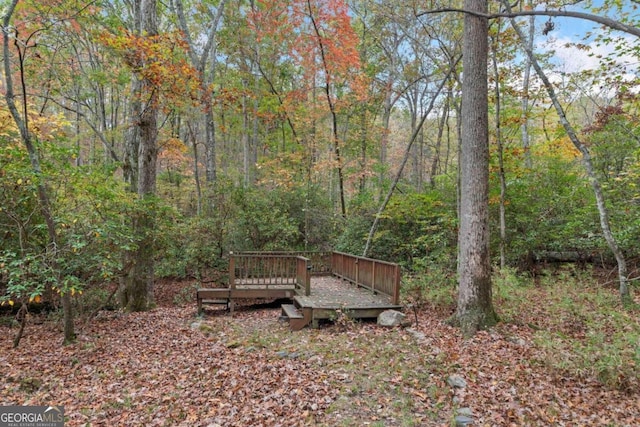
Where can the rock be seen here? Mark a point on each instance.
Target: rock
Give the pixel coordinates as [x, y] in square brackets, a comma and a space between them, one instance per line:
[317, 360]
[391, 318]
[196, 324]
[456, 381]
[282, 354]
[419, 336]
[518, 341]
[467, 412]
[462, 421]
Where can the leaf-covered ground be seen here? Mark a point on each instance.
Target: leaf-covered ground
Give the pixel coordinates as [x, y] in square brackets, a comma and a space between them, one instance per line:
[167, 367]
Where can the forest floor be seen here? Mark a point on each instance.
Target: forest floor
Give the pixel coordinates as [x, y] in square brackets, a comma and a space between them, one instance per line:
[543, 365]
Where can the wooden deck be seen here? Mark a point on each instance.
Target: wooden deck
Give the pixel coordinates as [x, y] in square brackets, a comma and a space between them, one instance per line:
[357, 287]
[332, 294]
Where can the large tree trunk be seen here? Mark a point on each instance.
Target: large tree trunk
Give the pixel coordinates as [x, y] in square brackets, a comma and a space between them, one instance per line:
[475, 309]
[137, 292]
[132, 139]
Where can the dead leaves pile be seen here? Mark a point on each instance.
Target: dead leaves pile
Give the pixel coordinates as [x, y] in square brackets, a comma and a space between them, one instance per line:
[165, 367]
[154, 369]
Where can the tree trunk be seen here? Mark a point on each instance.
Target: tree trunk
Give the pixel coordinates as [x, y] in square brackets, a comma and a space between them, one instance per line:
[475, 309]
[435, 163]
[246, 151]
[137, 294]
[196, 172]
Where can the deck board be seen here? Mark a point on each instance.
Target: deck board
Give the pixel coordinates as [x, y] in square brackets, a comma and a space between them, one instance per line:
[332, 293]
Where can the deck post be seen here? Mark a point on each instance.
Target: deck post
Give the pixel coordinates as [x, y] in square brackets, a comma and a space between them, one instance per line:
[232, 271]
[373, 276]
[357, 264]
[307, 284]
[396, 286]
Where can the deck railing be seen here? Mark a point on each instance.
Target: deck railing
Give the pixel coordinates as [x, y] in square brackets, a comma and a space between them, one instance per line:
[378, 276]
[269, 269]
[320, 261]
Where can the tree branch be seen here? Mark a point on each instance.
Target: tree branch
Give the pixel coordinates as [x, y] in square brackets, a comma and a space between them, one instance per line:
[611, 23]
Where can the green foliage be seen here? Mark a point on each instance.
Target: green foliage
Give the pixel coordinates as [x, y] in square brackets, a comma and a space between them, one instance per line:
[94, 298]
[436, 287]
[26, 276]
[240, 219]
[190, 246]
[262, 222]
[614, 141]
[551, 207]
[87, 206]
[415, 229]
[355, 227]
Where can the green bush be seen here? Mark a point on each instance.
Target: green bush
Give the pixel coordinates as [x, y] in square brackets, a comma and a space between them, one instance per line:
[415, 230]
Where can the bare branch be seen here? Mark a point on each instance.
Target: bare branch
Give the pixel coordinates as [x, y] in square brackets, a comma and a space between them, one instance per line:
[611, 23]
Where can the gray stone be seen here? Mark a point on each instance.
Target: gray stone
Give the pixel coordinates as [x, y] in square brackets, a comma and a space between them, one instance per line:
[419, 336]
[467, 412]
[391, 318]
[456, 381]
[519, 341]
[196, 325]
[462, 421]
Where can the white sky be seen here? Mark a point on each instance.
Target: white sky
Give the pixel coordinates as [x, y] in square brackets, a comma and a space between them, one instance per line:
[572, 59]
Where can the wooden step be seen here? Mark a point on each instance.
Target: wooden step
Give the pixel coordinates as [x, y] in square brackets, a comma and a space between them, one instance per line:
[290, 311]
[212, 296]
[297, 319]
[215, 301]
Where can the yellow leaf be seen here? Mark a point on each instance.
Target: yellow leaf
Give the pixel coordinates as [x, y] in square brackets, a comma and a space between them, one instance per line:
[19, 181]
[11, 302]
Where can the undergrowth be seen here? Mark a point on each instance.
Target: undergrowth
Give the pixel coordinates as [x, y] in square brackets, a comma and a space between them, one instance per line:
[582, 329]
